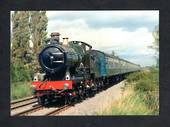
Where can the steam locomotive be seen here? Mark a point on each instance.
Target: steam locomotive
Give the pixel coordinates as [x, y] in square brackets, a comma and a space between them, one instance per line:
[73, 70]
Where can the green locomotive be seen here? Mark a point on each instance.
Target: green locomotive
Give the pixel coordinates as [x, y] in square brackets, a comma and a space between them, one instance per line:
[75, 70]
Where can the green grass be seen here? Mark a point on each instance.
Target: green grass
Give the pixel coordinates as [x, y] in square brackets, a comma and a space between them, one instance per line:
[131, 104]
[147, 84]
[145, 81]
[140, 95]
[20, 73]
[21, 77]
[20, 90]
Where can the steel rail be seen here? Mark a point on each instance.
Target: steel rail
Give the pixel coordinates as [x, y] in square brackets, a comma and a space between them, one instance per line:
[22, 105]
[57, 111]
[23, 113]
[22, 100]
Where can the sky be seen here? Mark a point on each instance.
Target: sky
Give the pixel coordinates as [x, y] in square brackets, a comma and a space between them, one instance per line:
[127, 33]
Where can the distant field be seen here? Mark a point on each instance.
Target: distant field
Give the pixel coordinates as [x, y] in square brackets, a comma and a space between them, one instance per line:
[20, 90]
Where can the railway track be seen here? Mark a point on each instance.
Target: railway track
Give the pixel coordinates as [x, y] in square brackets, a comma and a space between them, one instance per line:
[58, 110]
[27, 112]
[29, 107]
[22, 102]
[26, 106]
[51, 112]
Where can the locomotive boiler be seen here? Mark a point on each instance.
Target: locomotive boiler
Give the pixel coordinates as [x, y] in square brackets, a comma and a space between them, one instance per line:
[73, 70]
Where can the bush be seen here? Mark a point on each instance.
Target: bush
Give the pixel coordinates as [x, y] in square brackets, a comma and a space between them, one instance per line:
[129, 104]
[140, 95]
[145, 81]
[20, 90]
[20, 73]
[136, 76]
[147, 86]
[20, 78]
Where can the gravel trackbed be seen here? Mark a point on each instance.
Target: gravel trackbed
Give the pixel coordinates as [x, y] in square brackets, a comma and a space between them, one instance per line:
[97, 103]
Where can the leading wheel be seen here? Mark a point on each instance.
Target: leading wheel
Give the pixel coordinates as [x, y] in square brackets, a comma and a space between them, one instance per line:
[67, 99]
[41, 100]
[81, 94]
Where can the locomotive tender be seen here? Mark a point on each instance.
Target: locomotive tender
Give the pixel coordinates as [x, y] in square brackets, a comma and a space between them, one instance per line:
[73, 70]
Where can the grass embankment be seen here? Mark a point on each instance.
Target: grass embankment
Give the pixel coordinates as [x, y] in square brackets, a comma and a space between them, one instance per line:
[20, 81]
[140, 95]
[20, 90]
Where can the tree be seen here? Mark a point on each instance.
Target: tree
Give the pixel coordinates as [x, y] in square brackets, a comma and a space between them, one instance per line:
[20, 46]
[113, 53]
[20, 37]
[156, 44]
[38, 25]
[156, 38]
[26, 24]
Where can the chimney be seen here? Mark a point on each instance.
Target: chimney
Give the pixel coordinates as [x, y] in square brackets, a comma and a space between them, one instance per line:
[55, 36]
[65, 41]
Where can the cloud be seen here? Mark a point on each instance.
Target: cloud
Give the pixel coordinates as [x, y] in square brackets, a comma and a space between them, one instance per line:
[129, 20]
[128, 33]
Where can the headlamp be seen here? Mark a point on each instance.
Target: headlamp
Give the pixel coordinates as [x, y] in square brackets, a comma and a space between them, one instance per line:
[66, 85]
